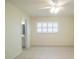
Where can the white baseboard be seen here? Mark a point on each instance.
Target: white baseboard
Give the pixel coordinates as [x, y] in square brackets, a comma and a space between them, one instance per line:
[17, 54]
[52, 46]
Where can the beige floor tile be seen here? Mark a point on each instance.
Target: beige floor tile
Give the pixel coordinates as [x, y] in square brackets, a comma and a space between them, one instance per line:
[47, 53]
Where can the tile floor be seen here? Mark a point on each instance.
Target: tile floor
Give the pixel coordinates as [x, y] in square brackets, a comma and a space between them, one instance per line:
[47, 53]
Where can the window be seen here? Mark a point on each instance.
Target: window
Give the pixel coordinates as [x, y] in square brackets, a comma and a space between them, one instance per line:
[47, 27]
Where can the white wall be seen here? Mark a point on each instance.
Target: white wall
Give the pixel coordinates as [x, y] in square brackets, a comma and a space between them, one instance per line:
[65, 35]
[13, 31]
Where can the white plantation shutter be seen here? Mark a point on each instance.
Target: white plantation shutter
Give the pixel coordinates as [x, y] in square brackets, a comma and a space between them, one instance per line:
[47, 27]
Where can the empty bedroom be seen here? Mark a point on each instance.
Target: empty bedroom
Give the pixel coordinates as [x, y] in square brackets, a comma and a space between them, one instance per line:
[39, 29]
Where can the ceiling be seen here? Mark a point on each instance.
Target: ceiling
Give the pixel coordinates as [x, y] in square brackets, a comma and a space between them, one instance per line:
[32, 7]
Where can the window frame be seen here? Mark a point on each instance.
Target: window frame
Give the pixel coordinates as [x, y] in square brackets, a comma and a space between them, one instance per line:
[47, 27]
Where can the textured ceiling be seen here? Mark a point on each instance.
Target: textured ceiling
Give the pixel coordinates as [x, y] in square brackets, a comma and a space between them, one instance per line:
[32, 7]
